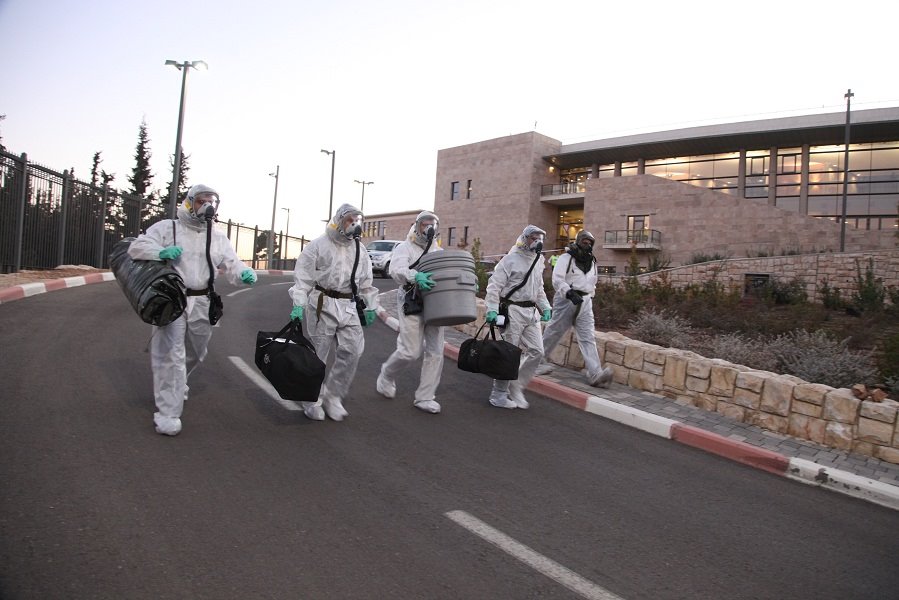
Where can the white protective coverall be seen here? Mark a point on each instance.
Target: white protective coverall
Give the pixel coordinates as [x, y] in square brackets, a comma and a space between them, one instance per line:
[414, 336]
[326, 264]
[523, 324]
[567, 275]
[178, 348]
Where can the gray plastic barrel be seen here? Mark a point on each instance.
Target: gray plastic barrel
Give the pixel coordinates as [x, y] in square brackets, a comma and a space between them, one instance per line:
[452, 299]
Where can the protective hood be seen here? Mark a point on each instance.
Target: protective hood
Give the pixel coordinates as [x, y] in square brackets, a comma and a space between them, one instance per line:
[525, 245]
[335, 228]
[189, 204]
[415, 234]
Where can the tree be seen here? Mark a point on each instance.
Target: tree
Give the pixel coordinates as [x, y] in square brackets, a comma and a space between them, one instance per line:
[182, 178]
[95, 166]
[141, 177]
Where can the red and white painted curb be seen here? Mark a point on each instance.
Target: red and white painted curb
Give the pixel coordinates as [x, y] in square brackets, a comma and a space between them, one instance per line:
[798, 469]
[17, 292]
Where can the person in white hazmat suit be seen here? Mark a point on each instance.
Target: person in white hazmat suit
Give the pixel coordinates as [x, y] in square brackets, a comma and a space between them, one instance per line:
[574, 280]
[322, 297]
[178, 348]
[415, 337]
[517, 283]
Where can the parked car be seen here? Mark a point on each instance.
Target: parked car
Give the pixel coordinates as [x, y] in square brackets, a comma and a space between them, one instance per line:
[380, 252]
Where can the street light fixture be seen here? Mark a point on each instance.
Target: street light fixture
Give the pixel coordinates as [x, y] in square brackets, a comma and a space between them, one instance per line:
[333, 154]
[362, 203]
[287, 229]
[271, 234]
[176, 167]
[848, 97]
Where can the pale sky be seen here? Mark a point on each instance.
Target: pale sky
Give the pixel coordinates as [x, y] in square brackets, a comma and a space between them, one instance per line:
[389, 83]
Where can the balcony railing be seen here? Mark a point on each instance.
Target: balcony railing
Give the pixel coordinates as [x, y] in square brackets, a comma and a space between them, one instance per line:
[641, 239]
[562, 189]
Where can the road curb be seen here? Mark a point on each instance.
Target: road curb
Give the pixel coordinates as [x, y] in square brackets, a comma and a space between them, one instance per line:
[25, 290]
[759, 458]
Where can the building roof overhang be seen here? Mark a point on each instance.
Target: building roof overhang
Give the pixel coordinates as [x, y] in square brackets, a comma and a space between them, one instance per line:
[866, 126]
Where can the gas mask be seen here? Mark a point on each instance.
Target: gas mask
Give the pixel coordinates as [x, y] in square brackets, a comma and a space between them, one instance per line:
[354, 228]
[423, 237]
[206, 212]
[536, 246]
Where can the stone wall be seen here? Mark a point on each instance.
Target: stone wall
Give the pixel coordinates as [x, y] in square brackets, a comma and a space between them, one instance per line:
[785, 404]
[839, 270]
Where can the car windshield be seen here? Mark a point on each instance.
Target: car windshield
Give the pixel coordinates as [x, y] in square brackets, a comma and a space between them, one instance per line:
[381, 246]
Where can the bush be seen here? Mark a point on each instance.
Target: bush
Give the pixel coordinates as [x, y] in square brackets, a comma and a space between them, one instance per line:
[870, 292]
[830, 296]
[818, 358]
[780, 292]
[661, 328]
[742, 350]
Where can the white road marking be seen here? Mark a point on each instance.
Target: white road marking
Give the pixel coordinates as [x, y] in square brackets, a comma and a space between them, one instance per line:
[538, 562]
[263, 383]
[239, 291]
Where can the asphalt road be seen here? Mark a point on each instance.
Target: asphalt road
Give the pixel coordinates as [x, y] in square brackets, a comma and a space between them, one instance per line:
[253, 500]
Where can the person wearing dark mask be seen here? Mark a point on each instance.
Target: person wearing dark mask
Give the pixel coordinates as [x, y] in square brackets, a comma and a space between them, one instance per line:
[415, 337]
[330, 275]
[574, 280]
[178, 348]
[516, 290]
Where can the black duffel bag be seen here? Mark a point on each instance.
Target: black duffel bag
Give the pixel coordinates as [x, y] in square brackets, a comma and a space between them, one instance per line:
[288, 360]
[495, 358]
[154, 288]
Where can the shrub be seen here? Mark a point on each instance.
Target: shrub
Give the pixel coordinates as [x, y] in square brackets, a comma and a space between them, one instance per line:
[701, 258]
[742, 350]
[889, 357]
[818, 358]
[830, 296]
[870, 292]
[661, 328]
[781, 292]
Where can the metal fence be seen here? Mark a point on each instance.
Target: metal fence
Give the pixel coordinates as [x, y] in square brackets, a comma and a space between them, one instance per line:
[48, 219]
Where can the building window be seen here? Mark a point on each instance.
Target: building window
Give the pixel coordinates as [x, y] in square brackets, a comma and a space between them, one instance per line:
[465, 236]
[450, 234]
[454, 190]
[468, 190]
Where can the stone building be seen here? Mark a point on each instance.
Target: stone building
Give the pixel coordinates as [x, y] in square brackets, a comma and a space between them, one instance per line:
[760, 188]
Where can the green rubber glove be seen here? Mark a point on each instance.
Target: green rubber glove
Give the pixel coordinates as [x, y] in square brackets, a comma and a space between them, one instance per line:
[547, 315]
[491, 316]
[248, 276]
[424, 281]
[170, 253]
[370, 317]
[296, 313]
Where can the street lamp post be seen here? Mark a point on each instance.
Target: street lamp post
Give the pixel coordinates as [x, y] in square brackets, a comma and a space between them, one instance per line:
[848, 97]
[271, 234]
[333, 154]
[176, 167]
[287, 229]
[362, 203]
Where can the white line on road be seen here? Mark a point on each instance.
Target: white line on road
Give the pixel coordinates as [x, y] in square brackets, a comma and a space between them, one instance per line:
[538, 562]
[262, 382]
[240, 291]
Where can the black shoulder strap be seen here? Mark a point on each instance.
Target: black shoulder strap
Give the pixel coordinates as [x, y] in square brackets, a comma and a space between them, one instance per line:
[427, 247]
[174, 233]
[353, 274]
[523, 281]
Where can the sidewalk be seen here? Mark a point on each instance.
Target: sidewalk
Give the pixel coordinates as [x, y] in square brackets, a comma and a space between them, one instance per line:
[837, 470]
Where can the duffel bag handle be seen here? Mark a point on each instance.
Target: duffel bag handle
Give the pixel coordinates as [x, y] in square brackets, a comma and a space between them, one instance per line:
[294, 333]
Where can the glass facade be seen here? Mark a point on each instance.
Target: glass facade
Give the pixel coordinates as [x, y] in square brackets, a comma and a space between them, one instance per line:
[810, 177]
